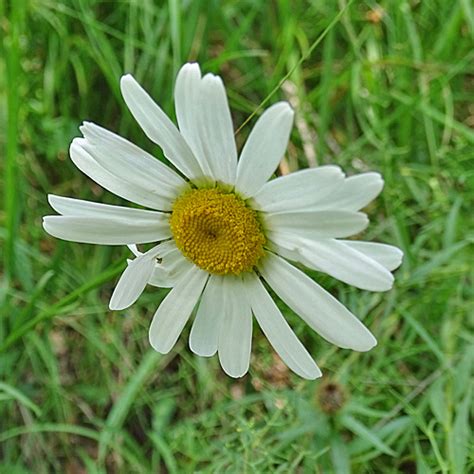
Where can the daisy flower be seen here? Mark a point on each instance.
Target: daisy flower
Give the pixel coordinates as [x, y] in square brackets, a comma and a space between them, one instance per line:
[223, 231]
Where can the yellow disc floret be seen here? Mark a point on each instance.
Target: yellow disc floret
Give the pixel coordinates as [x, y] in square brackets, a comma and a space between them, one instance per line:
[217, 231]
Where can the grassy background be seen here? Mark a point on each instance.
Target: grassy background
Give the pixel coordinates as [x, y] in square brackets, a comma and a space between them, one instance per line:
[389, 87]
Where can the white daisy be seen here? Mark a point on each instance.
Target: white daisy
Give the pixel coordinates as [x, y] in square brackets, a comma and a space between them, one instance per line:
[221, 228]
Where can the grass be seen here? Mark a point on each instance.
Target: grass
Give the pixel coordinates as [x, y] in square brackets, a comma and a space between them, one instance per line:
[384, 87]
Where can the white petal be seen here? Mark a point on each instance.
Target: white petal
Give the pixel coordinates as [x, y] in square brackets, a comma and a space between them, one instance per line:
[277, 330]
[80, 208]
[187, 93]
[286, 248]
[97, 230]
[388, 256]
[133, 280]
[109, 180]
[317, 224]
[171, 267]
[356, 192]
[160, 278]
[318, 308]
[170, 270]
[175, 309]
[235, 337]
[205, 331]
[167, 247]
[264, 148]
[134, 249]
[216, 130]
[132, 164]
[298, 190]
[344, 263]
[205, 122]
[158, 127]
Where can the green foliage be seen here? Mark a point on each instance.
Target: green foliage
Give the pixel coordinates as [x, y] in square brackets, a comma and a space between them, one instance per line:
[384, 87]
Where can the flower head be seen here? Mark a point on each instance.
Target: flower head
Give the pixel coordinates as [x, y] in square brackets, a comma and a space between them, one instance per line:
[222, 227]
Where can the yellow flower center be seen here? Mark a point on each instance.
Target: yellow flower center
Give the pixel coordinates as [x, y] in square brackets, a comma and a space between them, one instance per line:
[217, 231]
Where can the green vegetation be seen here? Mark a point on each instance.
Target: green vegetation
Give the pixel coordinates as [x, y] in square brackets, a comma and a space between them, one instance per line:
[387, 87]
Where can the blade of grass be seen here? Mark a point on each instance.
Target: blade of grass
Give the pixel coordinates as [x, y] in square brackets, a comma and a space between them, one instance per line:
[50, 312]
[361, 430]
[303, 58]
[122, 406]
[13, 83]
[20, 397]
[175, 26]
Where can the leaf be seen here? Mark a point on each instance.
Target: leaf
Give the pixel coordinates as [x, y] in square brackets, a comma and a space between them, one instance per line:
[20, 398]
[360, 430]
[437, 401]
[54, 309]
[339, 455]
[463, 373]
[120, 409]
[450, 231]
[425, 335]
[421, 465]
[460, 437]
[440, 259]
